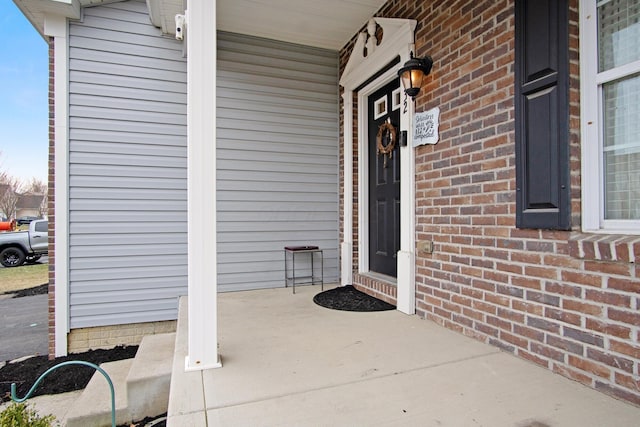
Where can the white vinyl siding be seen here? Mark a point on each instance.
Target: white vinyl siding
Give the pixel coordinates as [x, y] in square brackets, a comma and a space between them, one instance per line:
[127, 168]
[277, 158]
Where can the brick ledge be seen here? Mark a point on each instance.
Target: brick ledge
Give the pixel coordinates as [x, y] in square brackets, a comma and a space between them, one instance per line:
[605, 247]
[376, 287]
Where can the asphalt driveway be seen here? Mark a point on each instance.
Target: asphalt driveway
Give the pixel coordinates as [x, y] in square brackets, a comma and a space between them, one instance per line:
[23, 326]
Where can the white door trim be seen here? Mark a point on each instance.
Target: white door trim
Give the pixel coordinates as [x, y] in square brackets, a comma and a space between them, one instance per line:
[397, 41]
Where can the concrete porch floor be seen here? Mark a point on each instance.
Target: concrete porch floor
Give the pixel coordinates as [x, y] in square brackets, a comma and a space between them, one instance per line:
[288, 362]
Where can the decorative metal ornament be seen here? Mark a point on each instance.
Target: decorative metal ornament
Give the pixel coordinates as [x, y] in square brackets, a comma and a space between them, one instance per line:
[386, 140]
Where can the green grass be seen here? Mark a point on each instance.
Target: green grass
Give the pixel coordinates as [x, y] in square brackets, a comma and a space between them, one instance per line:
[23, 277]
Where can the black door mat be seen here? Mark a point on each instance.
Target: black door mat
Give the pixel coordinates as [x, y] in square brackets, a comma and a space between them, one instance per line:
[348, 298]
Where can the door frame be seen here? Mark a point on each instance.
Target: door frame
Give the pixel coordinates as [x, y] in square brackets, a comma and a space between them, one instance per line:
[398, 40]
[363, 166]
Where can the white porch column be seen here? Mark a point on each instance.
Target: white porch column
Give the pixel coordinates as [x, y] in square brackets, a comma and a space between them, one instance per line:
[347, 208]
[201, 137]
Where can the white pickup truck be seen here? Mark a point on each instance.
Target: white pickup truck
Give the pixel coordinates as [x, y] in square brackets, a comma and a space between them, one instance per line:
[18, 247]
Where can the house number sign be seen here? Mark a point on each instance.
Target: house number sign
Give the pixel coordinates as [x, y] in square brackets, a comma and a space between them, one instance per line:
[425, 127]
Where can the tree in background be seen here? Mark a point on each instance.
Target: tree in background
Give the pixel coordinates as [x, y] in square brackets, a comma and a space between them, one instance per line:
[9, 194]
[35, 186]
[12, 191]
[38, 187]
[43, 209]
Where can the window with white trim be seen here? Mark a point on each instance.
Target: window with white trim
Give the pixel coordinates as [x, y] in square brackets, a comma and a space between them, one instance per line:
[610, 108]
[396, 99]
[380, 107]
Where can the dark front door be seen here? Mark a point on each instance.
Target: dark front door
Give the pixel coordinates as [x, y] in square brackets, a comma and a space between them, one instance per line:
[384, 181]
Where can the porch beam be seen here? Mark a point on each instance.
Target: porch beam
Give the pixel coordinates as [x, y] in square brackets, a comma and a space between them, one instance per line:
[201, 139]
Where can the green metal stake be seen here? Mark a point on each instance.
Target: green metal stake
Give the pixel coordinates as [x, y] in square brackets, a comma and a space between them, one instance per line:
[71, 362]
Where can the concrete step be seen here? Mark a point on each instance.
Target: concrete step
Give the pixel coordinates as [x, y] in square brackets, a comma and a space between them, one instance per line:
[149, 378]
[141, 386]
[93, 407]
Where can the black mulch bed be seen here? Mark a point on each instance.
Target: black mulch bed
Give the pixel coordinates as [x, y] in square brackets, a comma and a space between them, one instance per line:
[348, 298]
[159, 421]
[38, 290]
[68, 378]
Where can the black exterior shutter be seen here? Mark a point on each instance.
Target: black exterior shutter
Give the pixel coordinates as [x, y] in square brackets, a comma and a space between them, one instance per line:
[543, 198]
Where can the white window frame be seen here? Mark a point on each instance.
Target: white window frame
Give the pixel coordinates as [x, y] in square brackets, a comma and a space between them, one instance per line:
[591, 82]
[396, 99]
[380, 107]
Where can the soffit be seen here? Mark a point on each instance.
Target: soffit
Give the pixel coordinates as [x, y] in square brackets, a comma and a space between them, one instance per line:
[329, 24]
[35, 10]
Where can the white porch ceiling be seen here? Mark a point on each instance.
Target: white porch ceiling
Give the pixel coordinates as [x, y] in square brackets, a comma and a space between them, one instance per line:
[329, 24]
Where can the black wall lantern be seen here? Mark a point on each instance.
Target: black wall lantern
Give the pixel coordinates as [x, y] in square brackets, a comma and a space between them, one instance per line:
[413, 73]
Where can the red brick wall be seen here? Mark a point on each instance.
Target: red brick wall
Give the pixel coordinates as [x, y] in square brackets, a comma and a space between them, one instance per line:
[51, 203]
[563, 300]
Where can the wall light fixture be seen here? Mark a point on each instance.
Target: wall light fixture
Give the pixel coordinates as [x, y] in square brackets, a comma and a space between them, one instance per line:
[412, 74]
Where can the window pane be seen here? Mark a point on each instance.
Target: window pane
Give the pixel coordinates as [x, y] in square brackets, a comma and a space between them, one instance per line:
[618, 32]
[622, 148]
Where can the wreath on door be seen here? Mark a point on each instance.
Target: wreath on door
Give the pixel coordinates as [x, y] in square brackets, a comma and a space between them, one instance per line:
[386, 140]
